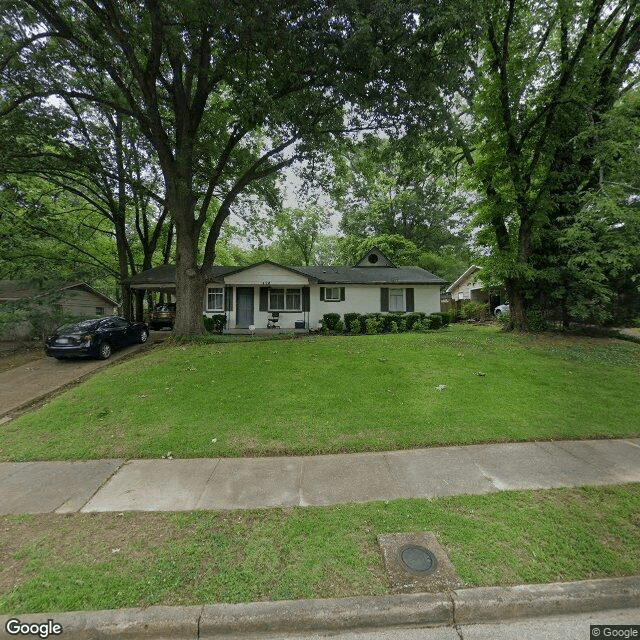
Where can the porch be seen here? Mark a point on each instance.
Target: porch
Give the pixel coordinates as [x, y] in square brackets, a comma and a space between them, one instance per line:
[262, 331]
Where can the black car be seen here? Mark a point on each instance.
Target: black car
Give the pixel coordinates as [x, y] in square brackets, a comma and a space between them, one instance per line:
[97, 337]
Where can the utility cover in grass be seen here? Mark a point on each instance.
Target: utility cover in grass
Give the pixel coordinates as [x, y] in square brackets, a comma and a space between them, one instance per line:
[416, 563]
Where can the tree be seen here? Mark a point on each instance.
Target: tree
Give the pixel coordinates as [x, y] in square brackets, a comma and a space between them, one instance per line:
[100, 159]
[399, 250]
[227, 94]
[42, 226]
[401, 187]
[549, 72]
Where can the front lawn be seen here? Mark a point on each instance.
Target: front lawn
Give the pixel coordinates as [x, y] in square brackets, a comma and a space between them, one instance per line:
[109, 560]
[335, 394]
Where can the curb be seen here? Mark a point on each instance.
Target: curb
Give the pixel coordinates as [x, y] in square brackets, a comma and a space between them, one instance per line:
[460, 607]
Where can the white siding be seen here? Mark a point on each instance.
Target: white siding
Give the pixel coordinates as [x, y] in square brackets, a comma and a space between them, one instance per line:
[358, 299]
[472, 283]
[363, 298]
[265, 275]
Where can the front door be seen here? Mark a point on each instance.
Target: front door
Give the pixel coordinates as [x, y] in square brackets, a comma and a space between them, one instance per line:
[244, 306]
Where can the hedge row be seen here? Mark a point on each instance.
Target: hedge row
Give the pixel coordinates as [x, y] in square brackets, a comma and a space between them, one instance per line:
[216, 323]
[383, 322]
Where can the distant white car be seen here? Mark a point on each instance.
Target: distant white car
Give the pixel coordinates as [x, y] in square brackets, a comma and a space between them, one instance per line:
[500, 309]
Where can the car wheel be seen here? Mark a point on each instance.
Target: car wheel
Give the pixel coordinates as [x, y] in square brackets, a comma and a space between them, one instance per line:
[497, 313]
[104, 350]
[144, 334]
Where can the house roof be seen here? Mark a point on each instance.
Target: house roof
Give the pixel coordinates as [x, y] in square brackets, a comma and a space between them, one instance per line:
[370, 275]
[166, 275]
[471, 270]
[17, 289]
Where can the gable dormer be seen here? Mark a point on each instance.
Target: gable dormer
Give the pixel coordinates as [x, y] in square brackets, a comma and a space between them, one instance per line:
[375, 258]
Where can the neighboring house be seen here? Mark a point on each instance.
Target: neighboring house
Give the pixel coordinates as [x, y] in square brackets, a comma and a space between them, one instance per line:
[76, 299]
[469, 286]
[249, 296]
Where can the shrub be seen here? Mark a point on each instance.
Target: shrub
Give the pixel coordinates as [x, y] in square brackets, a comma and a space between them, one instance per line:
[393, 326]
[339, 326]
[354, 326]
[388, 318]
[372, 325]
[349, 318]
[378, 317]
[535, 319]
[445, 317]
[412, 318]
[435, 321]
[478, 311]
[330, 321]
[216, 323]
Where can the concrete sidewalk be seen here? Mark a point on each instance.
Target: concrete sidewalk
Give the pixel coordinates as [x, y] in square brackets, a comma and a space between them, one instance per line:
[228, 483]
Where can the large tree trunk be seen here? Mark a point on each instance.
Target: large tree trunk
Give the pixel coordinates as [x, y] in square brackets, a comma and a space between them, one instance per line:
[190, 282]
[517, 306]
[123, 266]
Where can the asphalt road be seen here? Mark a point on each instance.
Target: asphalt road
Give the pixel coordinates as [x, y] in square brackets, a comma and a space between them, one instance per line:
[564, 627]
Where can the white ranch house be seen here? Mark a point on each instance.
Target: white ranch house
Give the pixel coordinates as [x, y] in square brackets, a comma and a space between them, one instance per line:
[250, 296]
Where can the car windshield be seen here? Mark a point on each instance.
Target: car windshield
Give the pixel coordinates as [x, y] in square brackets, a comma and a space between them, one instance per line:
[79, 327]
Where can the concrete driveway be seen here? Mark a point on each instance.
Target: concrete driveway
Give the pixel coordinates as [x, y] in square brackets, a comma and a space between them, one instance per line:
[32, 382]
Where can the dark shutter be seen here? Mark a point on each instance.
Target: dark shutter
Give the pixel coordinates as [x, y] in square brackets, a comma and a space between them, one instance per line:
[306, 298]
[342, 294]
[384, 299]
[321, 293]
[264, 298]
[228, 298]
[409, 298]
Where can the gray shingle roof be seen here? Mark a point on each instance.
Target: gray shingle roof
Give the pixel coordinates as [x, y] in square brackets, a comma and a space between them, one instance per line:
[166, 275]
[370, 275]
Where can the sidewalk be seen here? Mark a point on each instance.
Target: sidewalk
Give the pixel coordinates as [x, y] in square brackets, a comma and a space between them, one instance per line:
[246, 483]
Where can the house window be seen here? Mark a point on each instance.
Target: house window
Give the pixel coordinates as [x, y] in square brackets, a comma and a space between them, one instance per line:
[99, 311]
[332, 294]
[215, 299]
[285, 299]
[461, 295]
[396, 300]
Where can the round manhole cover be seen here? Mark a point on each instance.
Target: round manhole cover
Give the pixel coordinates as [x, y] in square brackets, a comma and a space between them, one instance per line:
[418, 559]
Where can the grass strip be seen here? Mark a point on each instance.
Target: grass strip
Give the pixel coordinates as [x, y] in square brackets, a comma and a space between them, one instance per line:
[102, 561]
[339, 394]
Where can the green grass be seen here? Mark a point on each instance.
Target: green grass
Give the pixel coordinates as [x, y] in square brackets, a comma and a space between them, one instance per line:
[336, 394]
[104, 561]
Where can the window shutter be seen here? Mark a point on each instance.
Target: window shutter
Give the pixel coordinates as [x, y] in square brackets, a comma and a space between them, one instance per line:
[306, 298]
[384, 299]
[321, 293]
[342, 294]
[409, 298]
[264, 298]
[228, 298]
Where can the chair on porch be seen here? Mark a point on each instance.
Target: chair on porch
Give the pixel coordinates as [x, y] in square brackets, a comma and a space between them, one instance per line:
[273, 320]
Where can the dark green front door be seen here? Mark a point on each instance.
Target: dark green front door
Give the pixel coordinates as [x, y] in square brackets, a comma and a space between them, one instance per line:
[244, 306]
